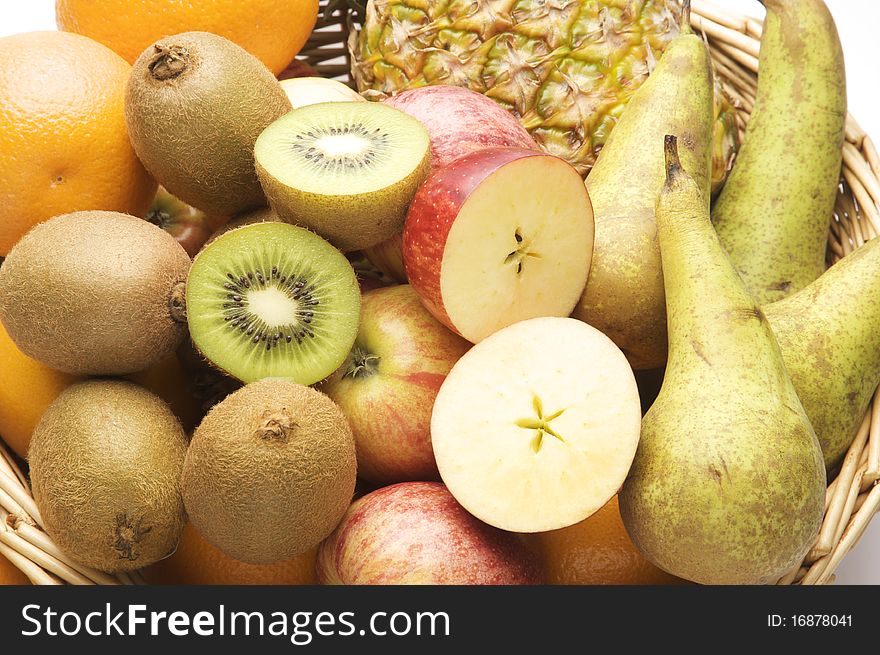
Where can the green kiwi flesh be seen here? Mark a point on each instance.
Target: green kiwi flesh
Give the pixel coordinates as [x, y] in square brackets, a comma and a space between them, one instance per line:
[273, 300]
[270, 471]
[105, 463]
[347, 170]
[95, 293]
[194, 106]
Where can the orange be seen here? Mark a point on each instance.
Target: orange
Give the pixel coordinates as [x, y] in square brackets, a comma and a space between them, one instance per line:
[10, 574]
[169, 380]
[274, 31]
[27, 388]
[596, 551]
[198, 562]
[63, 141]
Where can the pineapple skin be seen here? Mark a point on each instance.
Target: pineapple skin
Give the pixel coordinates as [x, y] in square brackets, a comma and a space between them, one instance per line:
[565, 68]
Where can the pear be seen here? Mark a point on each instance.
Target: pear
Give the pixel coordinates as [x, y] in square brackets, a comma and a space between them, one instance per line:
[728, 483]
[831, 346]
[624, 293]
[774, 211]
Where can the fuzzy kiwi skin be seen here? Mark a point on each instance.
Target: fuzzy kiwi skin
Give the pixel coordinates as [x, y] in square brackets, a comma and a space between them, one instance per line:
[270, 471]
[194, 106]
[349, 222]
[105, 463]
[262, 215]
[95, 293]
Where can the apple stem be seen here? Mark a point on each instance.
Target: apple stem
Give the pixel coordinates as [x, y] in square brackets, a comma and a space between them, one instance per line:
[159, 218]
[361, 364]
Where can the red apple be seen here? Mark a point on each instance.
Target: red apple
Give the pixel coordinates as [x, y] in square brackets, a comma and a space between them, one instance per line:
[297, 68]
[191, 227]
[499, 236]
[387, 386]
[387, 256]
[416, 533]
[460, 121]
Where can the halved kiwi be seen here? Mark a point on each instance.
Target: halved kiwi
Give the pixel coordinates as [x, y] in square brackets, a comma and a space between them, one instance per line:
[273, 300]
[347, 170]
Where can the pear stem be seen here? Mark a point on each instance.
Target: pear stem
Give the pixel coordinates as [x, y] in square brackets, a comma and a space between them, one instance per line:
[686, 17]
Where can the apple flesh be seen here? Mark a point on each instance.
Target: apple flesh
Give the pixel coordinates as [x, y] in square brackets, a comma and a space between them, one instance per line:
[387, 386]
[416, 533]
[459, 121]
[499, 236]
[536, 427]
[302, 91]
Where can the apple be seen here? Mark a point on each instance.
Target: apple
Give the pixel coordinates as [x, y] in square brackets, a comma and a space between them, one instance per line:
[459, 121]
[415, 533]
[297, 68]
[191, 227]
[387, 386]
[499, 236]
[368, 281]
[304, 91]
[387, 256]
[535, 428]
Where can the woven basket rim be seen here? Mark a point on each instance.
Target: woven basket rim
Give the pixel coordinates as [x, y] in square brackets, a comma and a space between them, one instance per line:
[853, 497]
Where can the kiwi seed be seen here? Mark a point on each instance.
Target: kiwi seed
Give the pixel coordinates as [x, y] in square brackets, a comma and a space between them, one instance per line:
[273, 300]
[347, 170]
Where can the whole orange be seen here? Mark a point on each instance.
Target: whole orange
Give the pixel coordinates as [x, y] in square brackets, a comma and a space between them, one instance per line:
[274, 31]
[596, 551]
[197, 562]
[169, 380]
[63, 141]
[27, 388]
[10, 574]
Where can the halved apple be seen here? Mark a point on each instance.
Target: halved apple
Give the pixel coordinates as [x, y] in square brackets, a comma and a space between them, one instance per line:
[499, 236]
[536, 427]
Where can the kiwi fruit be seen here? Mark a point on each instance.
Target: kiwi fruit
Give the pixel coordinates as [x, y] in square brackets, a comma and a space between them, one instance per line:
[194, 106]
[105, 463]
[347, 170]
[270, 471]
[273, 300]
[95, 293]
[262, 215]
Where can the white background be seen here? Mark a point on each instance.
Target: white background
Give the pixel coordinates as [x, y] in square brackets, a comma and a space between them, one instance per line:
[857, 22]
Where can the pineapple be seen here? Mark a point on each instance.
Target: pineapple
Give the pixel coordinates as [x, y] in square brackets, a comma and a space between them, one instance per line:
[565, 68]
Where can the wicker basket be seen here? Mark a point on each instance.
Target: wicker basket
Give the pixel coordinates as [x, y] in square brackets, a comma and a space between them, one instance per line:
[853, 498]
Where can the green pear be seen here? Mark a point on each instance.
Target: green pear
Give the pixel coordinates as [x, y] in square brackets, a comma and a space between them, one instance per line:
[624, 293]
[774, 211]
[728, 483]
[830, 341]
